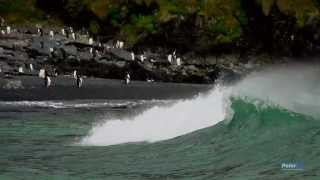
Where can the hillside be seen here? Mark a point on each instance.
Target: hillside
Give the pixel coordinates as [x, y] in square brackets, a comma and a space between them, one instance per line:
[205, 26]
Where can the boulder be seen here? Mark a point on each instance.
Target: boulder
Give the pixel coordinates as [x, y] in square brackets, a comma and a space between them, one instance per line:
[41, 46]
[70, 50]
[120, 54]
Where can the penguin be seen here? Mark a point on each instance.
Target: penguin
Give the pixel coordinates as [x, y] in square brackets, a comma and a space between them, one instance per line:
[170, 58]
[42, 73]
[8, 29]
[20, 69]
[121, 44]
[55, 72]
[79, 81]
[90, 41]
[51, 33]
[31, 67]
[75, 74]
[127, 78]
[142, 58]
[51, 52]
[63, 32]
[73, 35]
[47, 81]
[117, 44]
[178, 61]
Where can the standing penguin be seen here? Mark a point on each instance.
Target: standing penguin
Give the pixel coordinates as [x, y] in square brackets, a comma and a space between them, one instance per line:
[90, 41]
[55, 72]
[73, 35]
[79, 81]
[75, 74]
[170, 58]
[47, 81]
[42, 74]
[178, 61]
[20, 70]
[31, 67]
[63, 32]
[121, 44]
[51, 33]
[8, 29]
[127, 78]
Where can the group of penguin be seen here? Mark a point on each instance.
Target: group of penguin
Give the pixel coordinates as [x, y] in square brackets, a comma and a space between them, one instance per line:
[48, 82]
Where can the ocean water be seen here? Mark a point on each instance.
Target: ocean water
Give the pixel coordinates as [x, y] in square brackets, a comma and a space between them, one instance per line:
[243, 131]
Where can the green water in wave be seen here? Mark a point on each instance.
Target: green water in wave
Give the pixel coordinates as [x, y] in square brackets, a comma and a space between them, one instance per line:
[40, 145]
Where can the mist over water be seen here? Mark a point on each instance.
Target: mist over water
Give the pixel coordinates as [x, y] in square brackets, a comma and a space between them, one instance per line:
[293, 87]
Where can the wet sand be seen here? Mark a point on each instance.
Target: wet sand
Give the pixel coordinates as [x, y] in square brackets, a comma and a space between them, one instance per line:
[64, 88]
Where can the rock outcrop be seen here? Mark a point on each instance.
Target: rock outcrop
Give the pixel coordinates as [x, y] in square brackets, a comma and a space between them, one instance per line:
[20, 50]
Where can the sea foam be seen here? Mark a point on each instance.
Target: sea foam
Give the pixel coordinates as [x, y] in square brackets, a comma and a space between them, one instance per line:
[163, 122]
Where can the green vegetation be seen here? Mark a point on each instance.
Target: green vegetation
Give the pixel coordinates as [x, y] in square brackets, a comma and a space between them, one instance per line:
[20, 11]
[301, 10]
[222, 21]
[139, 27]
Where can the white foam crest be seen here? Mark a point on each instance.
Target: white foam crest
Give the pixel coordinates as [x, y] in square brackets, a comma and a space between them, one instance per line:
[162, 123]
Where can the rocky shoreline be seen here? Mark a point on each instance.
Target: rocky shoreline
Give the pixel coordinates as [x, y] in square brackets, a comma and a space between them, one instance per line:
[24, 51]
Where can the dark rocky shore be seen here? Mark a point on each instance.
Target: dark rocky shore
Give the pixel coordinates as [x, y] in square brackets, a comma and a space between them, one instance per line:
[24, 51]
[25, 46]
[99, 62]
